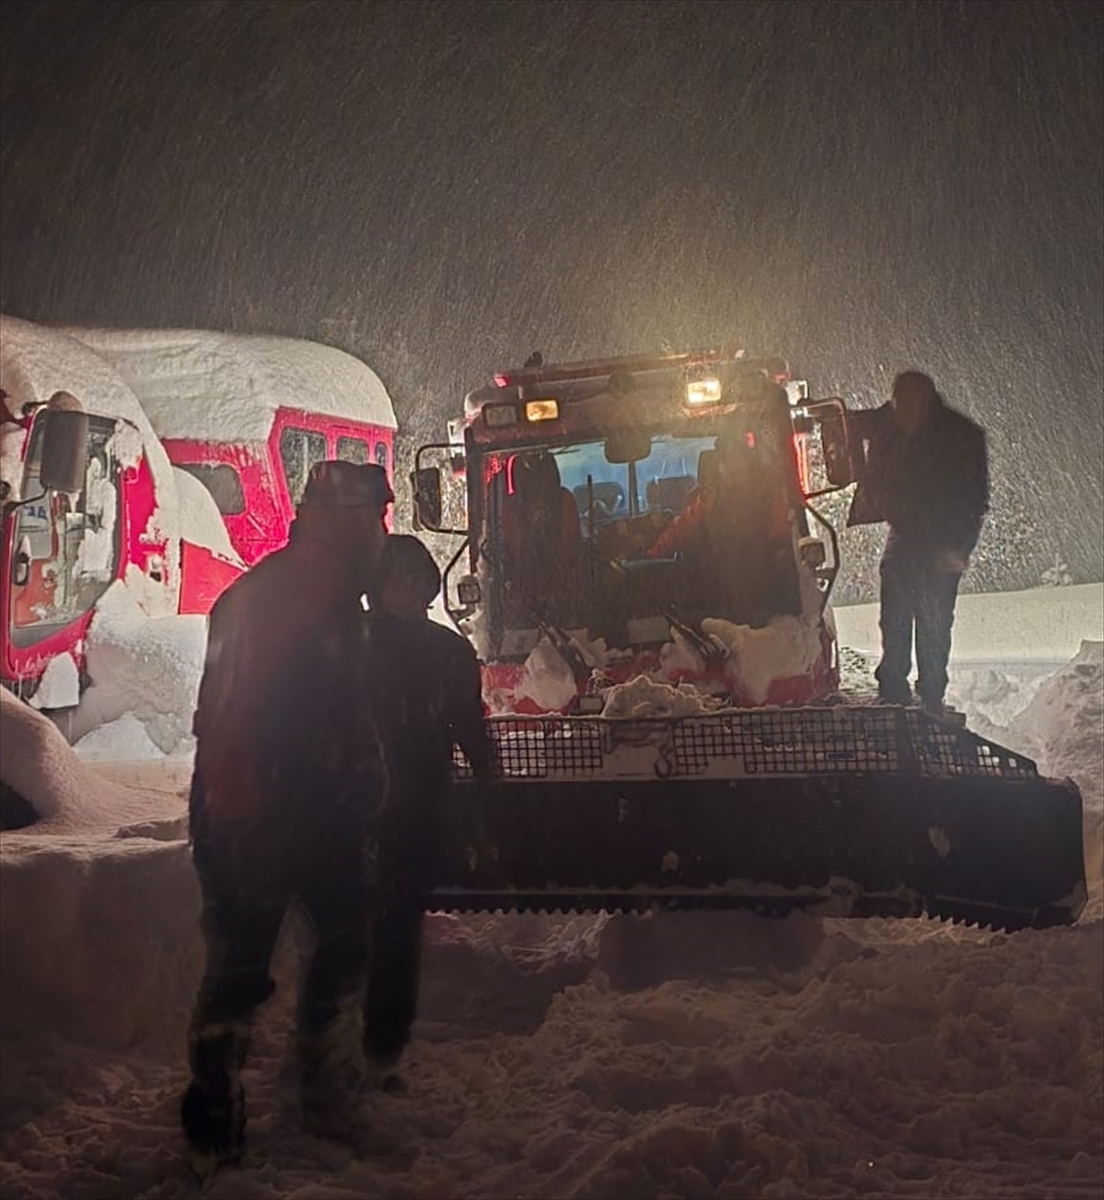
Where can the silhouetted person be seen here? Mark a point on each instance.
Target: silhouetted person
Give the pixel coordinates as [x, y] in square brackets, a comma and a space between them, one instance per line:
[428, 697]
[734, 534]
[926, 474]
[287, 784]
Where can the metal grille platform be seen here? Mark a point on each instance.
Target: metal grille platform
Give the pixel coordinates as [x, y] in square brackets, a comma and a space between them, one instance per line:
[743, 743]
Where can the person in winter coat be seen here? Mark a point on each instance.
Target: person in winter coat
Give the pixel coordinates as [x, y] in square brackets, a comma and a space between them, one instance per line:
[926, 474]
[287, 783]
[429, 699]
[734, 535]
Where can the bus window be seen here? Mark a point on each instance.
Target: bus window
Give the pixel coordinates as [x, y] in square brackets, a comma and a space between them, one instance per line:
[300, 449]
[223, 482]
[352, 449]
[381, 454]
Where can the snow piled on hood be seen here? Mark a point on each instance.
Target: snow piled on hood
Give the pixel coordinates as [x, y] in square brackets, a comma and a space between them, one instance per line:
[784, 647]
[643, 697]
[547, 680]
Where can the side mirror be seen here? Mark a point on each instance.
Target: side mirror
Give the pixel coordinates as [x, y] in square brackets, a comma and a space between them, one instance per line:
[842, 455]
[428, 505]
[840, 445]
[64, 449]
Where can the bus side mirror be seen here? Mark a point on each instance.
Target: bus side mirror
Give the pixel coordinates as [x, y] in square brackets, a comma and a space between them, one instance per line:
[64, 450]
[428, 506]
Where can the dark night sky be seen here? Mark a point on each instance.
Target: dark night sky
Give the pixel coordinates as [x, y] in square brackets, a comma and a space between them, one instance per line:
[442, 187]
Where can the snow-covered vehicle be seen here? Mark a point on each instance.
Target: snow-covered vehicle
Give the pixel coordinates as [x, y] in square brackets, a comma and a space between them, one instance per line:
[189, 455]
[665, 708]
[249, 415]
[90, 502]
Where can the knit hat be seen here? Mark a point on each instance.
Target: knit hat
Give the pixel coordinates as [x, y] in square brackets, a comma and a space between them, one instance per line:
[337, 484]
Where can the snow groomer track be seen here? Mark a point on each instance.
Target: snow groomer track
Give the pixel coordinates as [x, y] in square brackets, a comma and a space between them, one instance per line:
[846, 811]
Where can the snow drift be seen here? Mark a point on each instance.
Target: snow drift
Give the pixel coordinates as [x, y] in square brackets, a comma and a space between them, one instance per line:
[700, 1055]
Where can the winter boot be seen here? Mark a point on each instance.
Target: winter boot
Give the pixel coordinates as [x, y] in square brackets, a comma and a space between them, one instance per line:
[331, 1077]
[215, 1128]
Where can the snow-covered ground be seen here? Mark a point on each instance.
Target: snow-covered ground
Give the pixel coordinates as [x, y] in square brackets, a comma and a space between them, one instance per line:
[697, 1055]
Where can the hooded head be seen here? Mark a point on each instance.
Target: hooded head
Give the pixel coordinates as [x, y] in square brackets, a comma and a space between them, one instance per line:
[914, 400]
[407, 579]
[343, 506]
[337, 484]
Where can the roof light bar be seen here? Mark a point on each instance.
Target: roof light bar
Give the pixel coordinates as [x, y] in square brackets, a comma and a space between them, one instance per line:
[706, 390]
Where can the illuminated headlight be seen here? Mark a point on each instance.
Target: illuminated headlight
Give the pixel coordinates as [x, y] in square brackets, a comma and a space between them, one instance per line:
[499, 415]
[542, 410]
[703, 391]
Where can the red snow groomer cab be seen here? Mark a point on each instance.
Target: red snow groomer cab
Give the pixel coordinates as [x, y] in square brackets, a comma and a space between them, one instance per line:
[91, 505]
[646, 581]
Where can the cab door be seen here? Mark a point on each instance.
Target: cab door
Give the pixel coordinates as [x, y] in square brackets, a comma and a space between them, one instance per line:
[62, 550]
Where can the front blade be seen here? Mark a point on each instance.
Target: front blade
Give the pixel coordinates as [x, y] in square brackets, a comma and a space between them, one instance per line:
[848, 812]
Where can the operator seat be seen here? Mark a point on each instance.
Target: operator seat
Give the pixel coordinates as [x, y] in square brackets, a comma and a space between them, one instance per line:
[541, 535]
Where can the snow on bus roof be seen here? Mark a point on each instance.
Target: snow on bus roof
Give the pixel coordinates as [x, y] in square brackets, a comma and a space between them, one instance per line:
[223, 386]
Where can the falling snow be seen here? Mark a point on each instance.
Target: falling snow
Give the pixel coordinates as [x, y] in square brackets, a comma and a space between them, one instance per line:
[442, 188]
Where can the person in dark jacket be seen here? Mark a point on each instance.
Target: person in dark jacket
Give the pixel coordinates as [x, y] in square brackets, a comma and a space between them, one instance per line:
[734, 535]
[926, 474]
[287, 783]
[429, 699]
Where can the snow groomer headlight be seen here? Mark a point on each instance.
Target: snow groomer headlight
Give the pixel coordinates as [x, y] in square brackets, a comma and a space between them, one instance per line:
[545, 409]
[706, 389]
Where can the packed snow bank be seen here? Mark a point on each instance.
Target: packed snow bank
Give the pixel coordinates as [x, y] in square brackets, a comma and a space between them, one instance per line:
[68, 796]
[100, 933]
[698, 1055]
[1063, 729]
[1044, 624]
[1064, 723]
[98, 925]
